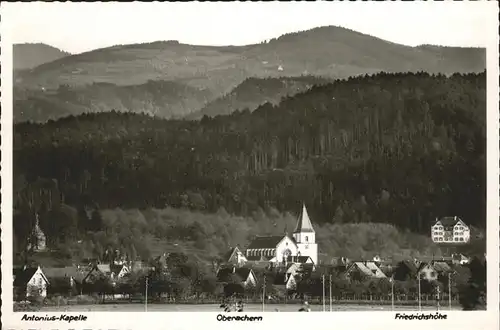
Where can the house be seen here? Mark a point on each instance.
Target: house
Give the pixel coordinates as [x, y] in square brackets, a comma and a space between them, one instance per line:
[406, 269]
[72, 276]
[98, 271]
[233, 275]
[285, 280]
[426, 271]
[442, 269]
[305, 263]
[119, 271]
[297, 270]
[300, 260]
[277, 249]
[364, 269]
[450, 230]
[30, 282]
[460, 259]
[235, 257]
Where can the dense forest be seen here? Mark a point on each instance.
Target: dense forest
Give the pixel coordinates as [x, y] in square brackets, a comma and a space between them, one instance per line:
[162, 98]
[398, 149]
[254, 92]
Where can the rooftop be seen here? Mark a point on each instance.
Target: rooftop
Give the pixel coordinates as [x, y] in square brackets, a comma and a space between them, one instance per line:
[449, 221]
[224, 274]
[265, 242]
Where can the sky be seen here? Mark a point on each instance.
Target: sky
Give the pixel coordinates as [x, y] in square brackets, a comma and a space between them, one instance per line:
[80, 27]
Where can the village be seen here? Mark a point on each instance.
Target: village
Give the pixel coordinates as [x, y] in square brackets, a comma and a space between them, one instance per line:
[271, 268]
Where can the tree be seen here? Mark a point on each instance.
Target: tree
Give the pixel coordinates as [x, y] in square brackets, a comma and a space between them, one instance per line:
[473, 294]
[96, 222]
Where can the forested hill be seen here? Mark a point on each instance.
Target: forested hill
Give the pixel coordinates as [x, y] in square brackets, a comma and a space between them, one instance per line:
[254, 92]
[159, 97]
[29, 56]
[392, 148]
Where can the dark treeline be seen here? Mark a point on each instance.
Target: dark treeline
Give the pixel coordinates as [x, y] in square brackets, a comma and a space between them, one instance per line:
[393, 148]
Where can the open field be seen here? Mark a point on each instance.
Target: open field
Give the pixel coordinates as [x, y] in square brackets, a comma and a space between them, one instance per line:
[216, 308]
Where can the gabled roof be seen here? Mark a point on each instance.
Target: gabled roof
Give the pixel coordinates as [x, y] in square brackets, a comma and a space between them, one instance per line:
[441, 267]
[265, 242]
[23, 275]
[411, 265]
[449, 221]
[104, 268]
[117, 268]
[298, 259]
[425, 265]
[292, 268]
[61, 272]
[304, 224]
[231, 252]
[224, 274]
[368, 268]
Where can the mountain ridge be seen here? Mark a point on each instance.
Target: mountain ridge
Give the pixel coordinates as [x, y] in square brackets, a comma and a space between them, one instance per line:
[27, 56]
[325, 52]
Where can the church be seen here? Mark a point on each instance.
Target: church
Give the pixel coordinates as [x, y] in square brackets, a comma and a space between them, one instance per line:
[300, 247]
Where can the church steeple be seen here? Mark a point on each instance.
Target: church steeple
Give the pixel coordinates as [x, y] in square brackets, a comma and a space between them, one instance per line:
[305, 237]
[304, 224]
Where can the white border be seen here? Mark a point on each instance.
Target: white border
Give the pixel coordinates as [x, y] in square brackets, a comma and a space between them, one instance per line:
[181, 320]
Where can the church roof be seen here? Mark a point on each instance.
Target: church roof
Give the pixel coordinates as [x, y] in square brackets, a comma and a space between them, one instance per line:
[304, 223]
[265, 242]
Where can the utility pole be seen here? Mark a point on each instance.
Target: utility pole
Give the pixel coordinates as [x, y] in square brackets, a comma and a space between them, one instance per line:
[330, 292]
[323, 280]
[264, 292]
[419, 302]
[146, 300]
[449, 291]
[392, 292]
[437, 297]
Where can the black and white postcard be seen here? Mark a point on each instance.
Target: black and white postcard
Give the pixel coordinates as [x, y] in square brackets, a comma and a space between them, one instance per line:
[241, 160]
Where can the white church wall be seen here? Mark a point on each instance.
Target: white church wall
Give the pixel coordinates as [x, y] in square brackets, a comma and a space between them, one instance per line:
[285, 244]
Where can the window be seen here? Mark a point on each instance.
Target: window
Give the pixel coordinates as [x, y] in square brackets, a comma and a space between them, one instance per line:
[39, 281]
[440, 238]
[461, 239]
[456, 239]
[433, 274]
[307, 239]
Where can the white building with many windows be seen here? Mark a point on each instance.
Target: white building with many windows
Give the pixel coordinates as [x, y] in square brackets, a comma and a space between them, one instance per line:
[450, 230]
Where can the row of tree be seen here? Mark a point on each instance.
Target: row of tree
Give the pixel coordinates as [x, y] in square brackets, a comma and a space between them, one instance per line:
[185, 280]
